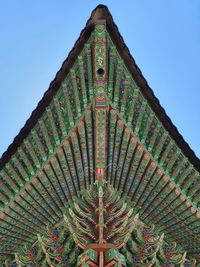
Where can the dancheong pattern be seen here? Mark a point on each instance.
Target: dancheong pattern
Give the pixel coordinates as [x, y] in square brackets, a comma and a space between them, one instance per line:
[98, 180]
[126, 240]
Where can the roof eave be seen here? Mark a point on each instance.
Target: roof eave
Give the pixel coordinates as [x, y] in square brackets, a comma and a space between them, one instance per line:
[101, 12]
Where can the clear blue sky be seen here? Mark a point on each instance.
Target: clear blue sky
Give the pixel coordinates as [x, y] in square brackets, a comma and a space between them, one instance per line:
[163, 37]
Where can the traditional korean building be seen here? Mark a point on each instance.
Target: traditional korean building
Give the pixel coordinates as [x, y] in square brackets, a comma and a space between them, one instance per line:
[99, 175]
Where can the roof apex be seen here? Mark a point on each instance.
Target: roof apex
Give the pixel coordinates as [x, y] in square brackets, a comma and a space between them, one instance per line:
[101, 12]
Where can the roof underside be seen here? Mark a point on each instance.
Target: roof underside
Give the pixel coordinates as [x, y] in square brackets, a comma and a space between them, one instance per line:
[144, 247]
[52, 158]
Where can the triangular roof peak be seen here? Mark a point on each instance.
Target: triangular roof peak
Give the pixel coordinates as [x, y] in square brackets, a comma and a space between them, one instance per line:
[100, 13]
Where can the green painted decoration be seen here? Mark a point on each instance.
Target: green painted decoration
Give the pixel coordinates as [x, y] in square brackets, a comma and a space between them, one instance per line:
[98, 177]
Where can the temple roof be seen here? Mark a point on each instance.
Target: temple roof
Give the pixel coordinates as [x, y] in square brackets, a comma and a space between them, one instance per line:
[56, 153]
[101, 12]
